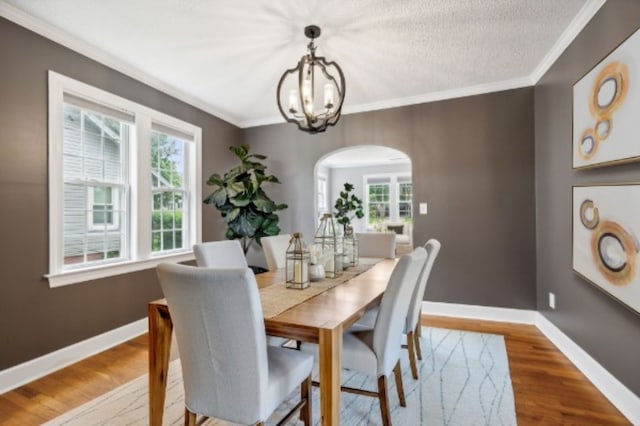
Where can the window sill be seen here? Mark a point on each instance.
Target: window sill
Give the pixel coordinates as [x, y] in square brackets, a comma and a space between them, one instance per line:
[104, 271]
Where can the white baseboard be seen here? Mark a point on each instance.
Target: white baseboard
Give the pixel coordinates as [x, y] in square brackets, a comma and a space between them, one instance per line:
[618, 394]
[29, 371]
[626, 401]
[488, 313]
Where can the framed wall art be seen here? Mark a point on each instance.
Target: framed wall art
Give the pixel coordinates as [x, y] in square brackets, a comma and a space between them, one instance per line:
[606, 222]
[606, 101]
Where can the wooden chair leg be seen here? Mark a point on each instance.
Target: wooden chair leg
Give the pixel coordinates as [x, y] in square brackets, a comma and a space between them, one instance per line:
[416, 336]
[189, 418]
[397, 370]
[305, 394]
[384, 401]
[412, 355]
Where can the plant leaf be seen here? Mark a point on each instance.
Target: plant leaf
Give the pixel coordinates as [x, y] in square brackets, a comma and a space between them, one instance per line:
[215, 179]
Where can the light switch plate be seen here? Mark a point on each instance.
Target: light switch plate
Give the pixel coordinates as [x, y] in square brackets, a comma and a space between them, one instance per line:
[423, 208]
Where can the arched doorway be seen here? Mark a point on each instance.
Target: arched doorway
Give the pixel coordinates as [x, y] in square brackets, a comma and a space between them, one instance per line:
[382, 178]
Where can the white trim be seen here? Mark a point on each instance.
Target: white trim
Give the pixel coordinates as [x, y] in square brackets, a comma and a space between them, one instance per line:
[479, 89]
[488, 313]
[92, 52]
[574, 28]
[29, 371]
[617, 393]
[110, 270]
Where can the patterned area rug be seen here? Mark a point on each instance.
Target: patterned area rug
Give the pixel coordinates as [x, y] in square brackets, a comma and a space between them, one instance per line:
[464, 380]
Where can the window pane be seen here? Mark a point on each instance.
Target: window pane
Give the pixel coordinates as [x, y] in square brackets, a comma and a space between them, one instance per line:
[93, 211]
[378, 207]
[167, 179]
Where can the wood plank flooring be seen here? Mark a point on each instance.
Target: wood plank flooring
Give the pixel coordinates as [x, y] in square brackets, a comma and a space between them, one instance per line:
[548, 389]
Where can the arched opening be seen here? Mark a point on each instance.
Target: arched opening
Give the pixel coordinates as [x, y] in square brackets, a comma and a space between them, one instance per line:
[382, 179]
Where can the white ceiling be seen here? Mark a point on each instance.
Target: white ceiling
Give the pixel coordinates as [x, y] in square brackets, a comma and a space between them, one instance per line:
[226, 56]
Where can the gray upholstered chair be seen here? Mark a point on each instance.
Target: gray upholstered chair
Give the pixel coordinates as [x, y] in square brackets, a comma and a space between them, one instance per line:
[226, 254]
[275, 250]
[229, 372]
[412, 325]
[377, 244]
[377, 351]
[220, 254]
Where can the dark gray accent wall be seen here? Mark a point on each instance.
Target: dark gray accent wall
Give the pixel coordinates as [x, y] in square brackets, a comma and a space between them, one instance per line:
[37, 319]
[472, 161]
[601, 326]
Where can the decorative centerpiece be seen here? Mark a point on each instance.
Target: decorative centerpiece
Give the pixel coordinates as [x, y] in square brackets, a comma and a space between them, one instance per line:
[350, 244]
[316, 268]
[297, 263]
[348, 207]
[329, 247]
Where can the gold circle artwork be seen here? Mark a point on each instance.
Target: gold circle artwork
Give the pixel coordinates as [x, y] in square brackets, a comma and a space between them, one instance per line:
[609, 90]
[614, 251]
[584, 208]
[588, 144]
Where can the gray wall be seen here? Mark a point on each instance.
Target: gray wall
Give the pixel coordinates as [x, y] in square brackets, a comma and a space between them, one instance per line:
[472, 161]
[601, 326]
[35, 318]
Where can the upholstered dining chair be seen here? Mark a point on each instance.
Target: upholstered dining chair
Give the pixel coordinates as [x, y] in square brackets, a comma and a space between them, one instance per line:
[377, 244]
[226, 254]
[220, 254]
[412, 326]
[229, 372]
[275, 250]
[377, 351]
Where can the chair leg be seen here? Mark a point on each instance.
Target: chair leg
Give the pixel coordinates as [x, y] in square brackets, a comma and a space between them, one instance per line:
[305, 394]
[189, 417]
[397, 370]
[412, 355]
[416, 336]
[384, 401]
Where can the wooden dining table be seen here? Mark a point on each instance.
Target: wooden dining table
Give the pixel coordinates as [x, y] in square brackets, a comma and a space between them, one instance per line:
[320, 319]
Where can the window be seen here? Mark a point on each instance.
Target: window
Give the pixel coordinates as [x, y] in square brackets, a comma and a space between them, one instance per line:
[378, 207]
[322, 196]
[405, 200]
[389, 197]
[122, 180]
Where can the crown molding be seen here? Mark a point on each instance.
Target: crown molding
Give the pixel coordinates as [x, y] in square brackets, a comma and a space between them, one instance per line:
[577, 24]
[65, 39]
[479, 89]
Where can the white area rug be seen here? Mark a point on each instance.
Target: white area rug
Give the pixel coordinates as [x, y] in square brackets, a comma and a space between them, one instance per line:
[464, 380]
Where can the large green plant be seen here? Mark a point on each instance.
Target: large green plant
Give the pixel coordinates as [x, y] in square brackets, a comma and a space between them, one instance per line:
[347, 207]
[246, 209]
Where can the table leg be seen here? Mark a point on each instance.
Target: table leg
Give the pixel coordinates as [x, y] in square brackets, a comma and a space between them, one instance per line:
[330, 348]
[160, 327]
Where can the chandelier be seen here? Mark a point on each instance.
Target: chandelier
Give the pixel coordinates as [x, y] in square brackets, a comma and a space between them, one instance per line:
[300, 86]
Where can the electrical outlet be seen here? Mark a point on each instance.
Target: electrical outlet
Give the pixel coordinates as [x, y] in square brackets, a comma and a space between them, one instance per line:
[423, 208]
[552, 300]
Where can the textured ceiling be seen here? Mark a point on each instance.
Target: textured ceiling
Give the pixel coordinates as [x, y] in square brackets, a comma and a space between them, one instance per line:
[228, 55]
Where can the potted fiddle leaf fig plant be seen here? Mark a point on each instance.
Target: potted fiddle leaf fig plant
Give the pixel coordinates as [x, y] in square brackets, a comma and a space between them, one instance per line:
[247, 210]
[348, 207]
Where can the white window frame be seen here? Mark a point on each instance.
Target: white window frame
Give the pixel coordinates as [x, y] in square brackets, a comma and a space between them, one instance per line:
[322, 186]
[139, 197]
[394, 193]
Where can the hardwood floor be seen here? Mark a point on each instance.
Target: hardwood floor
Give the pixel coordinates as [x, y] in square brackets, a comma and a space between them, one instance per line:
[548, 388]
